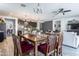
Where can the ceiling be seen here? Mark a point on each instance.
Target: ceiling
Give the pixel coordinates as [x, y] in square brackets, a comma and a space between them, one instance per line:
[16, 10]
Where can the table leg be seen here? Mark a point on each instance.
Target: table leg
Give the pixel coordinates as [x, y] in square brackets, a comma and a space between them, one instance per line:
[36, 48]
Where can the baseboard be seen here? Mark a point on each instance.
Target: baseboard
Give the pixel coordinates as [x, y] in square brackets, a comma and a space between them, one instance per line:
[70, 46]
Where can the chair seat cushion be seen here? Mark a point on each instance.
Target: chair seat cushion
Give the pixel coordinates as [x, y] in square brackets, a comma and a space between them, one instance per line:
[24, 42]
[26, 47]
[43, 48]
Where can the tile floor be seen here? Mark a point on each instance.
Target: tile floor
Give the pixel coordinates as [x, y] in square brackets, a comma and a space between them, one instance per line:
[6, 47]
[68, 51]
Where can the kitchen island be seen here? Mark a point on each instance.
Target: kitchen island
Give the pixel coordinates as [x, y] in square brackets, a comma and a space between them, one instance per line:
[71, 39]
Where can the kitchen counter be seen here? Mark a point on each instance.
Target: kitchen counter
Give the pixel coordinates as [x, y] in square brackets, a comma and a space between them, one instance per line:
[74, 30]
[70, 39]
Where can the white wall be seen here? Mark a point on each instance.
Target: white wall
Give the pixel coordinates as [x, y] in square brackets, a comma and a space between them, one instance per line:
[64, 22]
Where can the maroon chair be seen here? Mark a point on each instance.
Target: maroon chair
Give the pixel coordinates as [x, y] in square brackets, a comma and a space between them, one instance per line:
[49, 47]
[22, 48]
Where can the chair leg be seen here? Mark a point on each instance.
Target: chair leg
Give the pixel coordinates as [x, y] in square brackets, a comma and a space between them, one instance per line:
[15, 52]
[46, 54]
[54, 53]
[59, 52]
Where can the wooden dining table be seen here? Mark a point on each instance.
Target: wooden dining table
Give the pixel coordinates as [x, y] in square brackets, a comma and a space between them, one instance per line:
[36, 40]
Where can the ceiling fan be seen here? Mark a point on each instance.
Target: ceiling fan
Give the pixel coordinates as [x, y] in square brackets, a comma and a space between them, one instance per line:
[23, 5]
[61, 10]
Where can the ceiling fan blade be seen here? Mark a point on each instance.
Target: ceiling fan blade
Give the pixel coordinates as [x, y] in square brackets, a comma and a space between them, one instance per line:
[60, 10]
[67, 10]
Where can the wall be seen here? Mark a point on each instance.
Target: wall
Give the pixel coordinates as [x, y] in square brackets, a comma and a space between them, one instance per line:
[64, 22]
[47, 26]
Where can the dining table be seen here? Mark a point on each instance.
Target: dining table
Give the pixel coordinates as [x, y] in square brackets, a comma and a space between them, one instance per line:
[36, 40]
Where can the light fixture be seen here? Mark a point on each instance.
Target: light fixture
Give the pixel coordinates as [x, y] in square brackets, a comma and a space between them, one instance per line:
[37, 10]
[25, 23]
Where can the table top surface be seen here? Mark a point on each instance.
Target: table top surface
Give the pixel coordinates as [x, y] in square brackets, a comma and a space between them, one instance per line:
[35, 37]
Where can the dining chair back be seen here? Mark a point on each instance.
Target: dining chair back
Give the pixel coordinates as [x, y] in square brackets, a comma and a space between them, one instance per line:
[59, 44]
[51, 42]
[17, 47]
[49, 47]
[22, 47]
